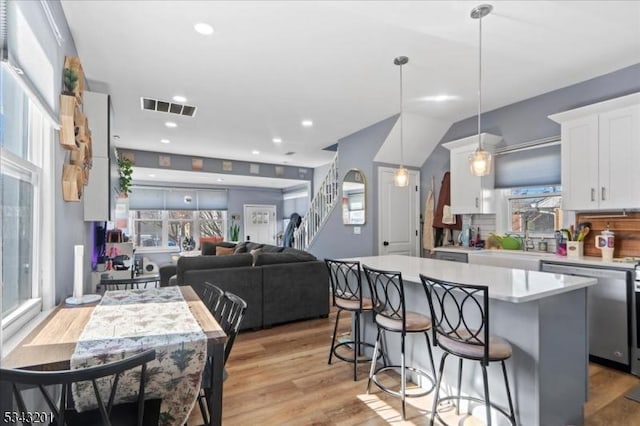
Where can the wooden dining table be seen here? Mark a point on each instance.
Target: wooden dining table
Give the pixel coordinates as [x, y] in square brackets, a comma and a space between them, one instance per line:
[52, 343]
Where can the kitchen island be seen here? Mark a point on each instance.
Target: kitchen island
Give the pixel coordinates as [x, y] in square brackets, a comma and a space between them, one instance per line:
[542, 315]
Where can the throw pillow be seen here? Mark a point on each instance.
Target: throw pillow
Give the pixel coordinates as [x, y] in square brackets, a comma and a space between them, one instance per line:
[224, 251]
[203, 240]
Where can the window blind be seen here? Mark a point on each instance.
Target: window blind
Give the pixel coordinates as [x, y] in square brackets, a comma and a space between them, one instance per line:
[529, 166]
[150, 198]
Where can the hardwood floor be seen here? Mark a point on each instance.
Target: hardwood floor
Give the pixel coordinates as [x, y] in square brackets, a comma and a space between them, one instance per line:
[280, 376]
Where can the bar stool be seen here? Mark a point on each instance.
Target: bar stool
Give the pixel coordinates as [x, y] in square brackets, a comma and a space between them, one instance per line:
[390, 315]
[460, 314]
[346, 288]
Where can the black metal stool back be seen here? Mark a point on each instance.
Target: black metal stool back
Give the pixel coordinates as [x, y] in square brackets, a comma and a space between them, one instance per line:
[345, 279]
[459, 312]
[387, 292]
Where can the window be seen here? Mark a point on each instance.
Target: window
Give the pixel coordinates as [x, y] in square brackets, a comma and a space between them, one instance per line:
[25, 141]
[536, 210]
[168, 228]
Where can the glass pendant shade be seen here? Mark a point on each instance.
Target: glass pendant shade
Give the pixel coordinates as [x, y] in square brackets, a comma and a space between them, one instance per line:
[480, 162]
[401, 177]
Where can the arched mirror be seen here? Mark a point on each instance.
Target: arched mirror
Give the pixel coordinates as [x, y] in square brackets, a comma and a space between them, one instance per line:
[353, 198]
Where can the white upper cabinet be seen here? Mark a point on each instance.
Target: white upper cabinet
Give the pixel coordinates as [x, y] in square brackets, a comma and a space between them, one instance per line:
[600, 155]
[469, 193]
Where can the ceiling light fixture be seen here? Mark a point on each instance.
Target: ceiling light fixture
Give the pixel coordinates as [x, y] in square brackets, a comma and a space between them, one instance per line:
[276, 140]
[439, 98]
[179, 98]
[220, 180]
[203, 28]
[401, 175]
[255, 152]
[307, 123]
[152, 175]
[480, 160]
[165, 141]
[170, 124]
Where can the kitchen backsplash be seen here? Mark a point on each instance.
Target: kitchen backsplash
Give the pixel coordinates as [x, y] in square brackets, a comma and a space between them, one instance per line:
[626, 229]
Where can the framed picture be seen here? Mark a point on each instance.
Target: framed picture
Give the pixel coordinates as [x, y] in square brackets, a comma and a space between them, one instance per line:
[197, 164]
[227, 166]
[254, 169]
[164, 161]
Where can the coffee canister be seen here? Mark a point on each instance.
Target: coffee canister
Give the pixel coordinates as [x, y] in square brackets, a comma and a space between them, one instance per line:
[605, 242]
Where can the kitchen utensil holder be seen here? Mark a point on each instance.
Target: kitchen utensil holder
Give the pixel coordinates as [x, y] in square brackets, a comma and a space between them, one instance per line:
[575, 249]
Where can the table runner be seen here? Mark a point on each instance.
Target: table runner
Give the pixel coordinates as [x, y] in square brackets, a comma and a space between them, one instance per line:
[127, 322]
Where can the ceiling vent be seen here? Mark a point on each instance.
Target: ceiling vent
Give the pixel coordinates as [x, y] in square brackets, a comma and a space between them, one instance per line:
[289, 153]
[165, 106]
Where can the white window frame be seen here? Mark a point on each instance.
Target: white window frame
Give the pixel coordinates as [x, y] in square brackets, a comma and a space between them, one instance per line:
[38, 171]
[504, 211]
[165, 219]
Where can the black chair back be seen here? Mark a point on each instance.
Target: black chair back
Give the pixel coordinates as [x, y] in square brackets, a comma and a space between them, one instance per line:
[387, 294]
[346, 282]
[231, 311]
[211, 295]
[21, 380]
[460, 312]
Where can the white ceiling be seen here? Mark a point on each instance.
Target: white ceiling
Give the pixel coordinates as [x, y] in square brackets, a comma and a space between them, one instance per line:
[270, 64]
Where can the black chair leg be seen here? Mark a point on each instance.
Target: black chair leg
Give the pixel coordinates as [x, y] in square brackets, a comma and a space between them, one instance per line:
[434, 410]
[403, 375]
[459, 385]
[512, 414]
[356, 348]
[333, 339]
[486, 393]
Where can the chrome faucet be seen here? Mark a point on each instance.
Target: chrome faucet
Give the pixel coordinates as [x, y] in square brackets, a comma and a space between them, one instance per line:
[528, 241]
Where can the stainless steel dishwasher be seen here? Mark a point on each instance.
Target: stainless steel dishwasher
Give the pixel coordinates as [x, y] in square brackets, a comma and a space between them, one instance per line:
[608, 311]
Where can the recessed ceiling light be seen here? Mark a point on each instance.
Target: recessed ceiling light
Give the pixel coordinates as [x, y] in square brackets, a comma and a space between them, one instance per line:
[307, 123]
[440, 98]
[255, 152]
[152, 175]
[276, 140]
[220, 180]
[165, 141]
[116, 137]
[179, 98]
[202, 28]
[170, 124]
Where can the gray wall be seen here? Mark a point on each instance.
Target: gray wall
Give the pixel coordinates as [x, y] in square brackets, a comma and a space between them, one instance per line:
[527, 120]
[238, 197]
[70, 228]
[355, 151]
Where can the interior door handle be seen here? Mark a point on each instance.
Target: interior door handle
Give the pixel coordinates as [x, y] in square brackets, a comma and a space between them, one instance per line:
[385, 243]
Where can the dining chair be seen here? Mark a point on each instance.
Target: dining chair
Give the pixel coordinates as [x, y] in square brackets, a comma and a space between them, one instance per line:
[391, 315]
[346, 290]
[140, 412]
[229, 313]
[460, 314]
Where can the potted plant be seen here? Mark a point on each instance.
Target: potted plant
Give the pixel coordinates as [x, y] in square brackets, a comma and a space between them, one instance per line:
[234, 231]
[125, 170]
[70, 80]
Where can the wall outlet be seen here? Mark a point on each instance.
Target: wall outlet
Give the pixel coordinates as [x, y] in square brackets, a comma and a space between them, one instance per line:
[356, 230]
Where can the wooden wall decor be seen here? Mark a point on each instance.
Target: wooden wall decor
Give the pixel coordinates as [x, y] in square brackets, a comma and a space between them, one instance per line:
[75, 135]
[625, 227]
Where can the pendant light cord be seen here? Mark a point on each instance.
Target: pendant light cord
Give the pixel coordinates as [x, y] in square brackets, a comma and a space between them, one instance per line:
[401, 122]
[480, 82]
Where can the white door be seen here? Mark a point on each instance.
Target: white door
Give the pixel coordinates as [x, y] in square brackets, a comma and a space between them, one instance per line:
[260, 225]
[398, 210]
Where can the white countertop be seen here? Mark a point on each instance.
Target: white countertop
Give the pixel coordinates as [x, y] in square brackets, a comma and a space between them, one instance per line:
[511, 285]
[545, 257]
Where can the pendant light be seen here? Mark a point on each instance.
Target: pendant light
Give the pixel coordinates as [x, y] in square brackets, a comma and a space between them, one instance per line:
[401, 175]
[480, 160]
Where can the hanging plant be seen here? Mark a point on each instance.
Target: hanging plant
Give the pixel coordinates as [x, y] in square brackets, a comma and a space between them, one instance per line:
[126, 170]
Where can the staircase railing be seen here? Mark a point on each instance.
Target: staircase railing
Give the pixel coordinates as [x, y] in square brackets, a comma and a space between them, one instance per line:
[319, 209]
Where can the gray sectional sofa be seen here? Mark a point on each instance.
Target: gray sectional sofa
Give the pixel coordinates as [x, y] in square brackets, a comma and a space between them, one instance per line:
[279, 284]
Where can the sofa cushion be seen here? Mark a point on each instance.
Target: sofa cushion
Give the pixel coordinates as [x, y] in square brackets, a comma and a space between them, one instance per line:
[267, 248]
[209, 248]
[211, 262]
[203, 240]
[247, 246]
[224, 251]
[277, 258]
